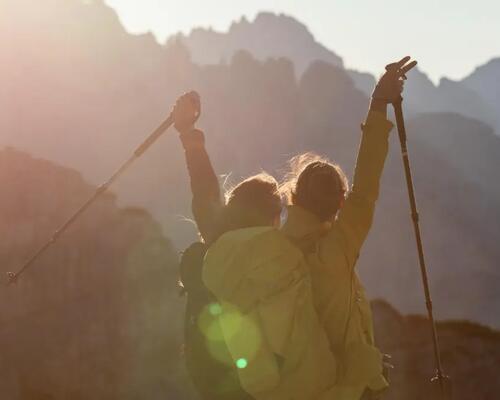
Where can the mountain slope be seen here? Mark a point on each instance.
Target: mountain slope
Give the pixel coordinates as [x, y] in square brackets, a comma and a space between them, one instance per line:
[449, 96]
[97, 315]
[469, 354]
[485, 80]
[456, 208]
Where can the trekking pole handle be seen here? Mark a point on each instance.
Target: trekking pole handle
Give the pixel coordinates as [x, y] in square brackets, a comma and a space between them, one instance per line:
[195, 99]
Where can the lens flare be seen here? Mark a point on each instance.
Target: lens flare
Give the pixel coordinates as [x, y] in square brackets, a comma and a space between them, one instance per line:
[224, 326]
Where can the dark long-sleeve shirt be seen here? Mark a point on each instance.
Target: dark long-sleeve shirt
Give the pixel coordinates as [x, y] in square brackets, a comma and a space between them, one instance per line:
[207, 201]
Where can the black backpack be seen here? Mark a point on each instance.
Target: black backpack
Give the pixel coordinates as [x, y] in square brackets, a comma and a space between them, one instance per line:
[214, 378]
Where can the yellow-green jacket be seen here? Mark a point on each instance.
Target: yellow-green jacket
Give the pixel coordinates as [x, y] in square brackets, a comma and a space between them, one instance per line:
[339, 297]
[268, 318]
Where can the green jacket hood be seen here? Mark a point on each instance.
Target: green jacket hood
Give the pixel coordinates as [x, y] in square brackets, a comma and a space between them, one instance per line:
[234, 265]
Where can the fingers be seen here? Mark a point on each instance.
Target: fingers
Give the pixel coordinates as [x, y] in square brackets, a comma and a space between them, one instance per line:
[399, 68]
[397, 65]
[185, 98]
[185, 103]
[192, 98]
[391, 83]
[406, 68]
[391, 67]
[403, 61]
[195, 101]
[186, 111]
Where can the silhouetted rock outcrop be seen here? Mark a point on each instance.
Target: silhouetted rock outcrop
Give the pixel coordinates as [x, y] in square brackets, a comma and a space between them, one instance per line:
[449, 96]
[268, 36]
[485, 80]
[97, 315]
[469, 353]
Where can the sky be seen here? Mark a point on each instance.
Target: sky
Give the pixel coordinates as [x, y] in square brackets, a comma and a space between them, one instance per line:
[448, 37]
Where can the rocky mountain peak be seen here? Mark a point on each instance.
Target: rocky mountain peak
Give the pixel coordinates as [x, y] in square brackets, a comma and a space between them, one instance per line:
[269, 35]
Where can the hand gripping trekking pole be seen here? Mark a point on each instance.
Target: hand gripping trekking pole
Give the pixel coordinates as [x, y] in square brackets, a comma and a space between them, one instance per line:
[442, 381]
[13, 277]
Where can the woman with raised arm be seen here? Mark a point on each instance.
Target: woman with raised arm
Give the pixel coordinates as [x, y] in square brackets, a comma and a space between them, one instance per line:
[331, 224]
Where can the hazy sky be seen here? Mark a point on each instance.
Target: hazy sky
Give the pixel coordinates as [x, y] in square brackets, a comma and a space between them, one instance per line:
[448, 37]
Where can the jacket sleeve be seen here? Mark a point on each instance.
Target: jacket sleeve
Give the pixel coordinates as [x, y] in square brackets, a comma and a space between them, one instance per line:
[206, 202]
[355, 217]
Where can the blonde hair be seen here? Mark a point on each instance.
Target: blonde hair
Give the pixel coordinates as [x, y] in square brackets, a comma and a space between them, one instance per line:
[316, 184]
[255, 201]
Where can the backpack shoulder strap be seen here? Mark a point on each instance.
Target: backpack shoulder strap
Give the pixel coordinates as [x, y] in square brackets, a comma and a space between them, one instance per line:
[190, 267]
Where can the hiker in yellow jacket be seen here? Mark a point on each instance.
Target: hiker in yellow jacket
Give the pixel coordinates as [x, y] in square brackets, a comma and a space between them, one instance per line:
[335, 222]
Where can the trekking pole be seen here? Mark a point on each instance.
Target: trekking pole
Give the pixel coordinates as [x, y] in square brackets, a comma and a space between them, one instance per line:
[440, 378]
[13, 277]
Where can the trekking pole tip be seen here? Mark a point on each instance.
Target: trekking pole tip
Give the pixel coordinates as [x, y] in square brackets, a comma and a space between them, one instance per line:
[442, 386]
[12, 278]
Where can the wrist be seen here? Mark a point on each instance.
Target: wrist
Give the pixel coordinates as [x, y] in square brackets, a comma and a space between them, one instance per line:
[185, 130]
[192, 138]
[378, 105]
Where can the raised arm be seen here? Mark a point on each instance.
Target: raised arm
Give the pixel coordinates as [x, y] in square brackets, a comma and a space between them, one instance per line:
[206, 202]
[355, 217]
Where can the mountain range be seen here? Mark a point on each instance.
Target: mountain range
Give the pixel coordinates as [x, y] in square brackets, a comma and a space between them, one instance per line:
[274, 36]
[82, 92]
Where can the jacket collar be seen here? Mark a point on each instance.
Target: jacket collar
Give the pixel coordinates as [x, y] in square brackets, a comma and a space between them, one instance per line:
[300, 222]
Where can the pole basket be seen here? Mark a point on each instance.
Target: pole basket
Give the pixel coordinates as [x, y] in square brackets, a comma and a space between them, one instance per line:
[441, 388]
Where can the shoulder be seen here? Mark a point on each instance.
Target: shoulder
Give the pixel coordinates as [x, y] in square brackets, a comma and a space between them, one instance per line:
[261, 255]
[258, 242]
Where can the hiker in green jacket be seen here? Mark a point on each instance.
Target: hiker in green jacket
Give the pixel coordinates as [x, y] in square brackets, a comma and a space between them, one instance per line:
[261, 284]
[336, 221]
